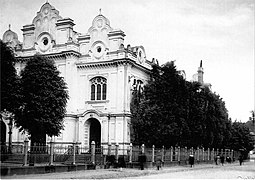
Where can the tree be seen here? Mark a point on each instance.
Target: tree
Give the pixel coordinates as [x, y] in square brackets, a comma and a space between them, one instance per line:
[172, 111]
[251, 123]
[241, 138]
[158, 118]
[44, 98]
[9, 80]
[195, 108]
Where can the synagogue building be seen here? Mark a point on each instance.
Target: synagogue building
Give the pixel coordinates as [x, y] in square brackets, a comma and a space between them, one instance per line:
[101, 73]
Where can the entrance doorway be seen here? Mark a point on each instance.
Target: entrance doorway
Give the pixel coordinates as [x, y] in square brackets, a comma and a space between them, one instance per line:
[94, 131]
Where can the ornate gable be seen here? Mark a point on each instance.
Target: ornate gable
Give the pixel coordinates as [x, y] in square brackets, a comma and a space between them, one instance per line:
[47, 30]
[101, 39]
[99, 29]
[45, 20]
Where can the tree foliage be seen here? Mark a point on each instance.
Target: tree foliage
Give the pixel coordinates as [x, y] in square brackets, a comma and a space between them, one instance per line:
[241, 138]
[251, 123]
[172, 111]
[43, 97]
[9, 80]
[161, 110]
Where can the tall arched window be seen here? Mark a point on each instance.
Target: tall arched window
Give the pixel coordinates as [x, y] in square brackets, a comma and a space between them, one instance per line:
[98, 88]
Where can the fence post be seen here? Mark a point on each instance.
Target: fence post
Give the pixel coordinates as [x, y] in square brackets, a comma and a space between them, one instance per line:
[212, 154]
[109, 149]
[186, 154]
[162, 154]
[73, 153]
[179, 154]
[203, 152]
[198, 154]
[232, 154]
[153, 154]
[208, 154]
[51, 152]
[93, 151]
[142, 148]
[25, 152]
[117, 152]
[130, 152]
[171, 154]
[102, 155]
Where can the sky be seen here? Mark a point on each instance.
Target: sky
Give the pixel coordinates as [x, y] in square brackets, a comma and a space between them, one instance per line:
[219, 32]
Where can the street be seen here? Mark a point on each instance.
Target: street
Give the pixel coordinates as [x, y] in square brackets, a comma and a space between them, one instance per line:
[246, 171]
[201, 171]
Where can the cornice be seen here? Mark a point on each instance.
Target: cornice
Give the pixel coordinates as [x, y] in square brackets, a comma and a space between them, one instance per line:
[104, 64]
[29, 49]
[71, 115]
[116, 33]
[111, 63]
[53, 56]
[103, 114]
[29, 27]
[66, 21]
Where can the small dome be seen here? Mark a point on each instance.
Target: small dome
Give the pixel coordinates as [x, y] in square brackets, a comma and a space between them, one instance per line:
[10, 38]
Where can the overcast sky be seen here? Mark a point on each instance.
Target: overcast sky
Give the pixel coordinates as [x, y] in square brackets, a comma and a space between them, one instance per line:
[219, 32]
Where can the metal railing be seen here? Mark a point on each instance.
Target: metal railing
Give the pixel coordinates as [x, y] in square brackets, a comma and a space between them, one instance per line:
[73, 153]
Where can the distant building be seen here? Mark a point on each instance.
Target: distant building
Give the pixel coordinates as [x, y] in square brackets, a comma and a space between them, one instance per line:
[100, 72]
[199, 77]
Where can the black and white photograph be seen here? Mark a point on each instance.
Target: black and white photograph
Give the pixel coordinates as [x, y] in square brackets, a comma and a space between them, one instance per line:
[110, 89]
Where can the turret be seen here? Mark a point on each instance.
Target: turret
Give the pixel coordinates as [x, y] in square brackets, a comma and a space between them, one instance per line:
[200, 73]
[11, 38]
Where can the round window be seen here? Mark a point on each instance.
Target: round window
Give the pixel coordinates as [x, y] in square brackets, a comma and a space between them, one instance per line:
[99, 49]
[45, 41]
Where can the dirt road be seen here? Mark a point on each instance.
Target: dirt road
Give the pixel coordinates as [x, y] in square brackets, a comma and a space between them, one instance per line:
[233, 171]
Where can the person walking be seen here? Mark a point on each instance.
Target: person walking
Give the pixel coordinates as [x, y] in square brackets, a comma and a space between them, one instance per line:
[228, 159]
[142, 160]
[191, 160]
[158, 161]
[240, 160]
[222, 159]
[216, 159]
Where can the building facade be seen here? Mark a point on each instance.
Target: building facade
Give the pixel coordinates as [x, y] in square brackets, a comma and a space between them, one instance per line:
[100, 72]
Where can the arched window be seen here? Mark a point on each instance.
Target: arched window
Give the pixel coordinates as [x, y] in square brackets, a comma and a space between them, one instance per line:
[98, 88]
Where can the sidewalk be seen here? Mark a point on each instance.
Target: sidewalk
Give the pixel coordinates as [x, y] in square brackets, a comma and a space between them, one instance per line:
[113, 173]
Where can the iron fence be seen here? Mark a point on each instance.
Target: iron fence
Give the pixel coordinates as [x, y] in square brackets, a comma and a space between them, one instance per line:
[73, 153]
